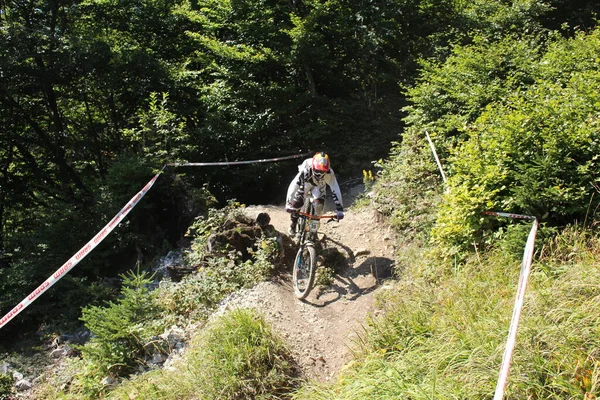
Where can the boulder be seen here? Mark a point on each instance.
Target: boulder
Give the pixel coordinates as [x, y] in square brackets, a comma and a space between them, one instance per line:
[23, 385]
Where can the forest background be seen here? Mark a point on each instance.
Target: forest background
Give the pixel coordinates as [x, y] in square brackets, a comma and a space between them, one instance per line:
[96, 96]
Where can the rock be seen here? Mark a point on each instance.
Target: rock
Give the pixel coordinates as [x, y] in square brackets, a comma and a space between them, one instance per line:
[176, 334]
[158, 358]
[82, 335]
[60, 339]
[17, 376]
[38, 379]
[23, 385]
[58, 353]
[109, 381]
[263, 219]
[62, 351]
[178, 271]
[4, 368]
[173, 335]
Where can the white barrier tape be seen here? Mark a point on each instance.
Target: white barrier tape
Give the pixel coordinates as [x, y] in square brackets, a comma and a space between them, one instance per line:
[210, 164]
[80, 255]
[437, 159]
[514, 323]
[508, 215]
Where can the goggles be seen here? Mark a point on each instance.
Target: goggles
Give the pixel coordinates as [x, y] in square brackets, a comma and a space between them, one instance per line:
[319, 174]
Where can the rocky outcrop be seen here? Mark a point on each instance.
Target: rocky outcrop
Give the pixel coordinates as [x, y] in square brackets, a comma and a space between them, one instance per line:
[240, 234]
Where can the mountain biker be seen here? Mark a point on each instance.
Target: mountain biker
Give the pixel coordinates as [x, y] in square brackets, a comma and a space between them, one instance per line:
[314, 174]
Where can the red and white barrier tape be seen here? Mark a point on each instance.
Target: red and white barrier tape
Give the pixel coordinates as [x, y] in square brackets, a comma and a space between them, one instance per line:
[80, 255]
[514, 323]
[209, 164]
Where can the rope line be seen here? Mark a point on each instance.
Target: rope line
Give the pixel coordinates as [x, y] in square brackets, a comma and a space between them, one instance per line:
[223, 163]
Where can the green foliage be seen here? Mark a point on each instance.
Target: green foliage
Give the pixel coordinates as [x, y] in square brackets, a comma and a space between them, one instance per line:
[197, 294]
[203, 226]
[451, 94]
[496, 19]
[236, 357]
[331, 263]
[513, 121]
[448, 98]
[6, 387]
[533, 152]
[218, 274]
[95, 90]
[122, 331]
[408, 186]
[161, 135]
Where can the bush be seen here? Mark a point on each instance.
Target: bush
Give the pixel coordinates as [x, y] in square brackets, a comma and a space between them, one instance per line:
[121, 333]
[6, 386]
[218, 273]
[516, 129]
[535, 152]
[197, 294]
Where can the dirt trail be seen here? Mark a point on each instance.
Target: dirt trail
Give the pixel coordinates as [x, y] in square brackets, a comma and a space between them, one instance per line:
[320, 330]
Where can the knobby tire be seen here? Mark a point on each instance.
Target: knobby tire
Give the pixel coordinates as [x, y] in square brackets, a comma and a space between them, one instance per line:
[305, 266]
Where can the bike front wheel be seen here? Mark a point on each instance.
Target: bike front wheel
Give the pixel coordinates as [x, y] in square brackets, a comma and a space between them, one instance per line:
[305, 267]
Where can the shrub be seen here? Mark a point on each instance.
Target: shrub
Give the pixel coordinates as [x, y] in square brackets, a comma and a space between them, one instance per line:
[197, 294]
[6, 386]
[219, 273]
[536, 154]
[121, 332]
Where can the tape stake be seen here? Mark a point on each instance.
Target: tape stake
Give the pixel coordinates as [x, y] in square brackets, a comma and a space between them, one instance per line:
[514, 323]
[210, 164]
[80, 255]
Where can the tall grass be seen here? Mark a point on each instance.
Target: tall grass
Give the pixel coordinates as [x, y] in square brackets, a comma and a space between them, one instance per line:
[238, 357]
[445, 340]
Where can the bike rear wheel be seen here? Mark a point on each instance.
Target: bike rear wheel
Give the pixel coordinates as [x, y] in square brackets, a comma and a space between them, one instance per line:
[305, 267]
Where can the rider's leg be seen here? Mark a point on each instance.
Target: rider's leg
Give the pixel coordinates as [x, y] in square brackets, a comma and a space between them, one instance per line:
[318, 194]
[293, 202]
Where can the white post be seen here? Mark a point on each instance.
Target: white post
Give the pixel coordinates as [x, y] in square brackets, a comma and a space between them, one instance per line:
[514, 323]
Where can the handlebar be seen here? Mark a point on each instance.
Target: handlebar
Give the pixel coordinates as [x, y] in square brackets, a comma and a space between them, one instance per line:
[310, 216]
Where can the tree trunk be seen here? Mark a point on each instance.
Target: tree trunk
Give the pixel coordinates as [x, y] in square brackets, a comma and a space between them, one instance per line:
[309, 76]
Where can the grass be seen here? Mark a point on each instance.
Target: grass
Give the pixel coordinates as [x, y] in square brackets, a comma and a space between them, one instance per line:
[237, 357]
[445, 340]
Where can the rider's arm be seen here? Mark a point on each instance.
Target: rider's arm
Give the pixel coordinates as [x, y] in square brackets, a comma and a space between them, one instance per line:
[336, 193]
[296, 189]
[303, 176]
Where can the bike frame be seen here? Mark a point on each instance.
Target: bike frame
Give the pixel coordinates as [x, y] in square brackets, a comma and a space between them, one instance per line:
[303, 275]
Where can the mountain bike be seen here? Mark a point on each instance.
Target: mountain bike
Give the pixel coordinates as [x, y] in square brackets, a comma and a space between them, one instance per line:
[305, 263]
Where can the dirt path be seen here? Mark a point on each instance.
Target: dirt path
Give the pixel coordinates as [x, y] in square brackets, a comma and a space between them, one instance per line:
[320, 330]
